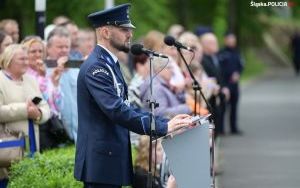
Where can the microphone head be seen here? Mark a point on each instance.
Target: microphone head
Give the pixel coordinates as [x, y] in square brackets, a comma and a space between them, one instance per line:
[137, 49]
[169, 40]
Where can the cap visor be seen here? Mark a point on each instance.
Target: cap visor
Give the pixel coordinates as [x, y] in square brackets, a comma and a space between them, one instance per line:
[129, 25]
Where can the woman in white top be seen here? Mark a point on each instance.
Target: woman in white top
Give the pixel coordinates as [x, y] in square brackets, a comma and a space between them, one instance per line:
[16, 93]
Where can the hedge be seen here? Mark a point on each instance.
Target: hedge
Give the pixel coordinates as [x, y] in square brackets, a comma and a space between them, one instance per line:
[51, 169]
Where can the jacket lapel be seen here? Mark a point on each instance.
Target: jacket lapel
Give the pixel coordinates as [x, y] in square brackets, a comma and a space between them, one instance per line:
[102, 54]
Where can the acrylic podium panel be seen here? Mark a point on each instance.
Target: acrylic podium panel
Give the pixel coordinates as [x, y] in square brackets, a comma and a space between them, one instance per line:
[189, 157]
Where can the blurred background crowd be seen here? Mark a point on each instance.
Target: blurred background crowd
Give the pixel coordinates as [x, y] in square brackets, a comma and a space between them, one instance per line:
[217, 62]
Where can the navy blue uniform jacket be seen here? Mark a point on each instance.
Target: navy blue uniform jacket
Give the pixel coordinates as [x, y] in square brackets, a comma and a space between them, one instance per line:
[103, 149]
[230, 62]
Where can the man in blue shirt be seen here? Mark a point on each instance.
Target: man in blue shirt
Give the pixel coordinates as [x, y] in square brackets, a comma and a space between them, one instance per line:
[58, 48]
[103, 151]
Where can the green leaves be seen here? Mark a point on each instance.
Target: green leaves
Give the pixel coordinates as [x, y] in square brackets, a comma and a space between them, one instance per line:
[51, 169]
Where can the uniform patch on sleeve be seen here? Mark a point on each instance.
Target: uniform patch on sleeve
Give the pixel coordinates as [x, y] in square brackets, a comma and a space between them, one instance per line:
[99, 70]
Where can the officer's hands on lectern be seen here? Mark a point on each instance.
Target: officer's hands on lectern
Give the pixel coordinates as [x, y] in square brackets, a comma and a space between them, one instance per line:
[181, 120]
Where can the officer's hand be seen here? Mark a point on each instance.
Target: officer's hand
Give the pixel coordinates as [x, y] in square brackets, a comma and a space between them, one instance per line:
[235, 77]
[181, 120]
[216, 90]
[171, 183]
[226, 92]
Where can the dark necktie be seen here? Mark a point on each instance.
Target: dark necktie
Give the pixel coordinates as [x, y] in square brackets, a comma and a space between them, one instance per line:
[118, 65]
[118, 69]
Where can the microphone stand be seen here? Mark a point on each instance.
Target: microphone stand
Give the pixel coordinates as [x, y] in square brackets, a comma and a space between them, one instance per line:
[196, 88]
[152, 106]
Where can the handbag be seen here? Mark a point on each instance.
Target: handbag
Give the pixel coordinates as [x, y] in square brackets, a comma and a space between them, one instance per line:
[52, 133]
[57, 128]
[12, 146]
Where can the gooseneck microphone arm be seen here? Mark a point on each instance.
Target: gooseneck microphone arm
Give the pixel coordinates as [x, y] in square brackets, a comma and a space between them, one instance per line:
[170, 41]
[196, 87]
[138, 49]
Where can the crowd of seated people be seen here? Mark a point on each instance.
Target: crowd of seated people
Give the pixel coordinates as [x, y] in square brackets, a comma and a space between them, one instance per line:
[34, 66]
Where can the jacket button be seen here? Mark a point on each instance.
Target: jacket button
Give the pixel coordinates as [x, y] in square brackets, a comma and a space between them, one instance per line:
[110, 153]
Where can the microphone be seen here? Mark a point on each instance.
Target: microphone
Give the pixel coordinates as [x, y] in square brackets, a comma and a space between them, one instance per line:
[170, 41]
[138, 49]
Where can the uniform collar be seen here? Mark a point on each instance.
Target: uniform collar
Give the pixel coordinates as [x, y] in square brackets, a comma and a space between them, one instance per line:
[110, 53]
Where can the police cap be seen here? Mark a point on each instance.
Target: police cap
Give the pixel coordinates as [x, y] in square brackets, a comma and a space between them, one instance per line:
[117, 16]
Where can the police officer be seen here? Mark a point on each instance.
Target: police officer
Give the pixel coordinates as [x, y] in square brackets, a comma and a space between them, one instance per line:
[232, 67]
[295, 44]
[103, 150]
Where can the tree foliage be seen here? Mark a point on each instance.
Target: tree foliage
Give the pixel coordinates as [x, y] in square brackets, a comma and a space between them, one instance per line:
[238, 16]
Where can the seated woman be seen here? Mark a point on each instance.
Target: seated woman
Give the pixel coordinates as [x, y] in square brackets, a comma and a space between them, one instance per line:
[16, 93]
[154, 40]
[208, 85]
[170, 103]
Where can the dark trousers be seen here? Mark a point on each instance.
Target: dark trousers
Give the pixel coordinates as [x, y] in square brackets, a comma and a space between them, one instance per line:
[218, 109]
[233, 104]
[297, 66]
[97, 185]
[222, 109]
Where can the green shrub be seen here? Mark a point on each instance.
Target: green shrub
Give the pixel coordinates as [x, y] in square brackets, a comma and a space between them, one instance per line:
[51, 169]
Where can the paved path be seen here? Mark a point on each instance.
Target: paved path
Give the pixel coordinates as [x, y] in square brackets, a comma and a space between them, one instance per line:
[268, 154]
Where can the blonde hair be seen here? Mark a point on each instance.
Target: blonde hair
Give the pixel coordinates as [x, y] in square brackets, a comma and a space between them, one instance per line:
[8, 54]
[188, 38]
[27, 42]
[154, 40]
